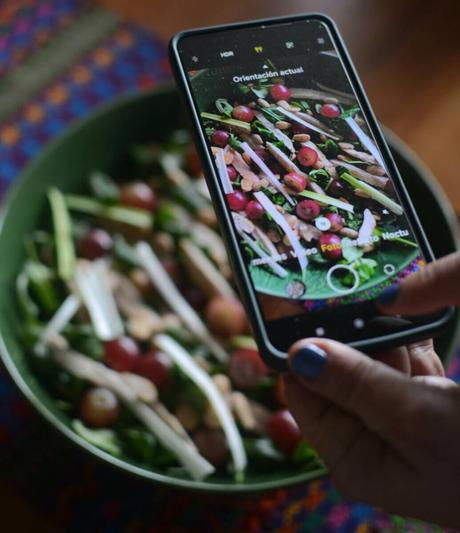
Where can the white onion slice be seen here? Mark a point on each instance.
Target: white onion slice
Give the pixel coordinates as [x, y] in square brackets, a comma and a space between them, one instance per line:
[281, 221]
[297, 119]
[91, 281]
[171, 295]
[223, 172]
[365, 141]
[215, 398]
[268, 173]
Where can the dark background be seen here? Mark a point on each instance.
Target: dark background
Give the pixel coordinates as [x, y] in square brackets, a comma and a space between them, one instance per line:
[407, 53]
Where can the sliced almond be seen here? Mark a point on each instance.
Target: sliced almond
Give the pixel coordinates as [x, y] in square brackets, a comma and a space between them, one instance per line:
[349, 232]
[262, 102]
[261, 415]
[283, 104]
[282, 125]
[222, 382]
[246, 185]
[210, 418]
[187, 416]
[301, 137]
[242, 409]
[143, 388]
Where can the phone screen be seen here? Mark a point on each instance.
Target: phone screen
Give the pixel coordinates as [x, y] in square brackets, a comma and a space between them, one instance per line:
[319, 220]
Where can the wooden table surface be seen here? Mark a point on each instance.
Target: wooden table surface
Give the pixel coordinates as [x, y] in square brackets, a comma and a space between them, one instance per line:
[407, 53]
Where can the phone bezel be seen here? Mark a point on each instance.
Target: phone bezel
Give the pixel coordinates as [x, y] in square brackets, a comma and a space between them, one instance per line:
[272, 356]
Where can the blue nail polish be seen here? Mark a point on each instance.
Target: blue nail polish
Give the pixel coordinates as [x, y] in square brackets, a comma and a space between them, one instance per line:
[309, 361]
[389, 295]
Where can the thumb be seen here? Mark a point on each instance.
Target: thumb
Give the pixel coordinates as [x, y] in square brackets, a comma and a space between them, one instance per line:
[373, 392]
[435, 286]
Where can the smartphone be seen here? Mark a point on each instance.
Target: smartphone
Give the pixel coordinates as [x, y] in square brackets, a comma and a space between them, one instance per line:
[314, 213]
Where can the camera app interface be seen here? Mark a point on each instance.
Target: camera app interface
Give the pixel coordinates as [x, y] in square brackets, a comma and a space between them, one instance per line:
[318, 218]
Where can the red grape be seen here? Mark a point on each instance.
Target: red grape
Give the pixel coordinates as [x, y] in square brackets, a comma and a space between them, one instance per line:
[232, 173]
[212, 445]
[299, 128]
[330, 246]
[194, 296]
[226, 316]
[280, 92]
[121, 354]
[220, 137]
[246, 368]
[336, 188]
[284, 431]
[336, 221]
[172, 267]
[99, 407]
[329, 111]
[242, 112]
[295, 181]
[138, 195]
[307, 209]
[254, 210]
[155, 366]
[192, 162]
[306, 156]
[237, 200]
[262, 153]
[96, 243]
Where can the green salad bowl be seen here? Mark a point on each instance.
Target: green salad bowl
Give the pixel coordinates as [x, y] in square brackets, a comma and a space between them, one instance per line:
[98, 142]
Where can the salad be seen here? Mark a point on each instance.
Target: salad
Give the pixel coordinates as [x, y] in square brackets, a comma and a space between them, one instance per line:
[132, 324]
[317, 215]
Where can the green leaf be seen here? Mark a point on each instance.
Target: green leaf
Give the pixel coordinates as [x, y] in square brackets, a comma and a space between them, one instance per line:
[350, 251]
[105, 439]
[365, 269]
[234, 142]
[260, 92]
[303, 104]
[262, 452]
[350, 112]
[330, 148]
[28, 307]
[244, 88]
[139, 444]
[304, 454]
[270, 113]
[103, 187]
[41, 283]
[124, 252]
[224, 107]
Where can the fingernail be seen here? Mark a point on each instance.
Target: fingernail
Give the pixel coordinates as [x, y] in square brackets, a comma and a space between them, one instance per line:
[388, 295]
[309, 361]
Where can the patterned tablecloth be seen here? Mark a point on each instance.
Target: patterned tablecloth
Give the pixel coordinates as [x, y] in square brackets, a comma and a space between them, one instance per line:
[59, 59]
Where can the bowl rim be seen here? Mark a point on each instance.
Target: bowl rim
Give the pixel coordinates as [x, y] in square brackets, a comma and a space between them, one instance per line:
[122, 464]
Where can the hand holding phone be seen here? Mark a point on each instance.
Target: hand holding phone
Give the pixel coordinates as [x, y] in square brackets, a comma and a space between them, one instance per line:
[395, 418]
[315, 216]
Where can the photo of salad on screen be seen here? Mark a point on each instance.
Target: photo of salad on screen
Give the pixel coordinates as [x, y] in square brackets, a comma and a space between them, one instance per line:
[317, 214]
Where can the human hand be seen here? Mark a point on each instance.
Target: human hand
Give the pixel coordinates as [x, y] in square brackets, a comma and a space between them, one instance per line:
[388, 438]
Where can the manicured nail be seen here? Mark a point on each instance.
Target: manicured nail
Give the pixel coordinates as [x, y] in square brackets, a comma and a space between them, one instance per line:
[389, 295]
[309, 361]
